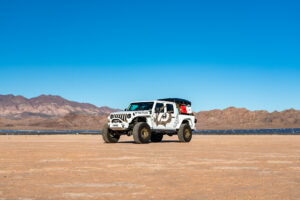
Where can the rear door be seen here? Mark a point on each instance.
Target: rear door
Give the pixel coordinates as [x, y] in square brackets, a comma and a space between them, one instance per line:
[172, 113]
[159, 110]
[164, 116]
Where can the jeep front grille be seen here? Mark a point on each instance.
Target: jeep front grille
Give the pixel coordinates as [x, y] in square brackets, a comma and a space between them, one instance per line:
[123, 117]
[116, 121]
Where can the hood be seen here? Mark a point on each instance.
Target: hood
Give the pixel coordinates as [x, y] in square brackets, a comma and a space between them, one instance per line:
[133, 113]
[123, 112]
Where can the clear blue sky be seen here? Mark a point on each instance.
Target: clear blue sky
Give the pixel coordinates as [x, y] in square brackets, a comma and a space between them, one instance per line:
[215, 53]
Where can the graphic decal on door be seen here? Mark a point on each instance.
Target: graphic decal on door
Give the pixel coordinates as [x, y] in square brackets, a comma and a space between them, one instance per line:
[167, 116]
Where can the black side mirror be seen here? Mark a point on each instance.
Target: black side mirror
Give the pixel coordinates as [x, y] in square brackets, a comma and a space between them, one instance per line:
[125, 109]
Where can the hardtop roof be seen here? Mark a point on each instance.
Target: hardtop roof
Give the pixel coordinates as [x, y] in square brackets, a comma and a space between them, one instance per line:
[177, 100]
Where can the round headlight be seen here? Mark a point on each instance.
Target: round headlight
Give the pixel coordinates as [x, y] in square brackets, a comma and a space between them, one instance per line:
[111, 116]
[129, 116]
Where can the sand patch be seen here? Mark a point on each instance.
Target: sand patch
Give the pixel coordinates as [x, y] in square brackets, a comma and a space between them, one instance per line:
[99, 185]
[88, 195]
[295, 168]
[47, 169]
[279, 162]
[55, 160]
[115, 158]
[268, 172]
[222, 161]
[235, 168]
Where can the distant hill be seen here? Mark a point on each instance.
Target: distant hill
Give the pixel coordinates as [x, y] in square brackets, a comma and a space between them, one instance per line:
[45, 106]
[54, 112]
[241, 118]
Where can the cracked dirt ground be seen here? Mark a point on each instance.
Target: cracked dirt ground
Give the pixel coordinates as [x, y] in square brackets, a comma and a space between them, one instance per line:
[210, 167]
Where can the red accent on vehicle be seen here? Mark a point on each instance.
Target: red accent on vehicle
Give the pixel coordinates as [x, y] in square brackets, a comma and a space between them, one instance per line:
[183, 109]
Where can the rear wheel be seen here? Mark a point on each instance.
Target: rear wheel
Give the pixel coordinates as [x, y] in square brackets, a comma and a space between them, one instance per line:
[141, 133]
[109, 136]
[156, 137]
[185, 133]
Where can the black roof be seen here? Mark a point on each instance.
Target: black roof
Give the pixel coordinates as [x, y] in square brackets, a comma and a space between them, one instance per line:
[177, 100]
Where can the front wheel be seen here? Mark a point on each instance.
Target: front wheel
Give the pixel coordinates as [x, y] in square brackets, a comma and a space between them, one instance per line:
[185, 133]
[109, 136]
[141, 133]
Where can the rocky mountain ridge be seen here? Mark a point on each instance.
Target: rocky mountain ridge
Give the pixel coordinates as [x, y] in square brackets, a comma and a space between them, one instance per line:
[241, 118]
[45, 106]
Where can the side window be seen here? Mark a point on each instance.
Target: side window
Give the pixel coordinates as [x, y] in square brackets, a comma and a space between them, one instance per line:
[170, 108]
[159, 108]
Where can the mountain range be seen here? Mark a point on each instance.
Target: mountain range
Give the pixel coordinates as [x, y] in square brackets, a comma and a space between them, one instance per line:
[46, 106]
[54, 112]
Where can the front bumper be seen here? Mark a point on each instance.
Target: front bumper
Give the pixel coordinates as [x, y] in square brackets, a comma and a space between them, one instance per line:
[120, 126]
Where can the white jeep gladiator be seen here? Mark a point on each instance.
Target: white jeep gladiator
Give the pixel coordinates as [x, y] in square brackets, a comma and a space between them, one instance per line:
[150, 120]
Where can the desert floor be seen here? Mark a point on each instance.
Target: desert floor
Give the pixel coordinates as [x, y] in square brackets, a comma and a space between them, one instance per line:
[209, 167]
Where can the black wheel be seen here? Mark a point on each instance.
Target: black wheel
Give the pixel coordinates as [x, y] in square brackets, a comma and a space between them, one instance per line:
[109, 136]
[141, 133]
[156, 137]
[185, 133]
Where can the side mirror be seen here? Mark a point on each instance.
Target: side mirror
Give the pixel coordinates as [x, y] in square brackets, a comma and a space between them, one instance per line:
[125, 109]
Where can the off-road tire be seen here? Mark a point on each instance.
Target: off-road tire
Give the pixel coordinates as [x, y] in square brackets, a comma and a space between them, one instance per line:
[108, 136]
[184, 133]
[156, 137]
[141, 133]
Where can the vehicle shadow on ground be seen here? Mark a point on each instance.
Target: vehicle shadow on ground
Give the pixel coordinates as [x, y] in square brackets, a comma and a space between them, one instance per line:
[164, 141]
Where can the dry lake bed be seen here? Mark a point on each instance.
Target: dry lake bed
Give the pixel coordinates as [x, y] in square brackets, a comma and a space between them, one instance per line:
[209, 167]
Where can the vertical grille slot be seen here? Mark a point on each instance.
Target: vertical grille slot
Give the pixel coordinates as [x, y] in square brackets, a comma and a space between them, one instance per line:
[123, 117]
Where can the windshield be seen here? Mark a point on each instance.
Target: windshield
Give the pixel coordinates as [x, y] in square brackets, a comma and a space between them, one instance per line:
[141, 106]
